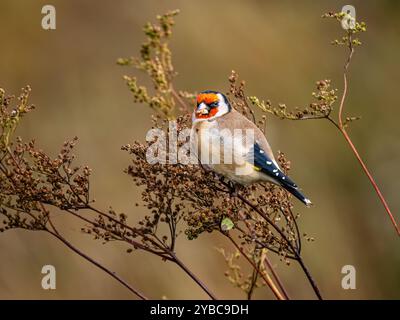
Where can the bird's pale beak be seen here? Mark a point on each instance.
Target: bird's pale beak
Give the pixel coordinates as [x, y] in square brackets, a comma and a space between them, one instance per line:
[202, 109]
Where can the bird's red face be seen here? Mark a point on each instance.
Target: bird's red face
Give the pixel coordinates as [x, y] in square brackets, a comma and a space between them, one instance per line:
[207, 105]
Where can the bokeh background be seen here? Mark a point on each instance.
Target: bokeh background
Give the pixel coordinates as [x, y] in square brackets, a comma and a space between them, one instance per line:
[280, 48]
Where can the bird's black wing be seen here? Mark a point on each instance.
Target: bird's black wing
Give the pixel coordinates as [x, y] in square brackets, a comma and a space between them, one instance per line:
[262, 162]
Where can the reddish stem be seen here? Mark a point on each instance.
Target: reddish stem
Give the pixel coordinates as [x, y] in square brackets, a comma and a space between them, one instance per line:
[276, 277]
[342, 129]
[371, 179]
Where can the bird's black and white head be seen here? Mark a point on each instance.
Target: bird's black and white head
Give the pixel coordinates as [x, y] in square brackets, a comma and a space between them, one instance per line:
[210, 105]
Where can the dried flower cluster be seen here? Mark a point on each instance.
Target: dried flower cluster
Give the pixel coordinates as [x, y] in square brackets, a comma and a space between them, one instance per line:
[11, 115]
[29, 177]
[353, 28]
[324, 97]
[155, 60]
[322, 107]
[235, 275]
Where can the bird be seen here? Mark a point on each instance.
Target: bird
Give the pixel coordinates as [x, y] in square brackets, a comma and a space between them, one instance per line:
[214, 123]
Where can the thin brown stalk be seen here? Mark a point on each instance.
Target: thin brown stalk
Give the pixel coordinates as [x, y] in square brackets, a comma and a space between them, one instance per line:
[172, 256]
[192, 275]
[57, 235]
[289, 243]
[260, 243]
[132, 229]
[254, 279]
[342, 129]
[167, 255]
[135, 244]
[295, 252]
[372, 180]
[267, 279]
[184, 106]
[268, 265]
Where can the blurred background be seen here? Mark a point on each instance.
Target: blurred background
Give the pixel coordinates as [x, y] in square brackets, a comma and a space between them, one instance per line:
[280, 48]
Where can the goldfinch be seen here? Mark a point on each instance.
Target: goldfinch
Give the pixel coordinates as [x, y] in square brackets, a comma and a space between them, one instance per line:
[214, 138]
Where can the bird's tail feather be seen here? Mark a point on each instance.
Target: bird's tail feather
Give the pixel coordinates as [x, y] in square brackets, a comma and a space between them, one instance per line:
[295, 192]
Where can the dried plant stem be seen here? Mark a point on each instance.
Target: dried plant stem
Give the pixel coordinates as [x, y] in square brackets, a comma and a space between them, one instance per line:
[268, 265]
[57, 235]
[266, 277]
[372, 180]
[166, 255]
[298, 258]
[135, 244]
[295, 252]
[346, 67]
[192, 275]
[254, 276]
[263, 245]
[169, 254]
[342, 129]
[184, 106]
[163, 250]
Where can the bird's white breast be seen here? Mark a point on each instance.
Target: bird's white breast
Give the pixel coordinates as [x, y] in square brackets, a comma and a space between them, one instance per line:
[224, 152]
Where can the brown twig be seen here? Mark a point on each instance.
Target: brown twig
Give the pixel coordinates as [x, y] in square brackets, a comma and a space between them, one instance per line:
[185, 107]
[276, 277]
[192, 275]
[57, 235]
[289, 243]
[342, 129]
[296, 253]
[266, 278]
[164, 253]
[260, 243]
[372, 180]
[167, 254]
[341, 126]
[253, 283]
[172, 256]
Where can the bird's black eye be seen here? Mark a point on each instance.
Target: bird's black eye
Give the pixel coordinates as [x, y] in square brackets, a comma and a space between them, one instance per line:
[213, 104]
